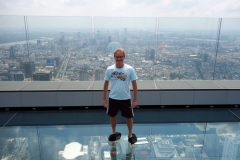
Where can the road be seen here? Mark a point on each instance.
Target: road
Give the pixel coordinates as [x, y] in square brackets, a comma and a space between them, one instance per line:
[64, 64]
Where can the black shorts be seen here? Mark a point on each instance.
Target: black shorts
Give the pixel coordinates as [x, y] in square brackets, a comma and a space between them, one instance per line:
[123, 105]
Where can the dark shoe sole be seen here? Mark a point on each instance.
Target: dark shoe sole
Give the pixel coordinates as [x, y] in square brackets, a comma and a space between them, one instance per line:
[114, 137]
[133, 139]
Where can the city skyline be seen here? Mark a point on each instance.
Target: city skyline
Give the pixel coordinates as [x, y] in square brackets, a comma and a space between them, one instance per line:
[169, 55]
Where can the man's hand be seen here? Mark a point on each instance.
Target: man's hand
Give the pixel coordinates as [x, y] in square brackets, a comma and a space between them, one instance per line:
[105, 103]
[134, 103]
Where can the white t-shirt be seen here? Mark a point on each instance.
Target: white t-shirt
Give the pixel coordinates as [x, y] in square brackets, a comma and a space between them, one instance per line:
[120, 81]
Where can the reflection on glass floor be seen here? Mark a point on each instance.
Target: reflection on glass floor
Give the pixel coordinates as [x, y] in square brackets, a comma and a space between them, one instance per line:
[169, 141]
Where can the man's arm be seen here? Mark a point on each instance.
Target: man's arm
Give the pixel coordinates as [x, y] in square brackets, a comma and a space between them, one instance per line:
[105, 89]
[134, 102]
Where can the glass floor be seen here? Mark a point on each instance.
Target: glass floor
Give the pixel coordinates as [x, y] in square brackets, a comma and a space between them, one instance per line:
[164, 141]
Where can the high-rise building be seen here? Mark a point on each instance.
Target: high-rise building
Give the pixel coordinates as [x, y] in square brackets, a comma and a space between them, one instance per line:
[212, 143]
[2, 146]
[189, 153]
[62, 42]
[204, 57]
[16, 75]
[198, 150]
[62, 36]
[50, 62]
[33, 57]
[125, 36]
[99, 74]
[55, 49]
[33, 149]
[42, 75]
[165, 149]
[152, 54]
[38, 43]
[29, 68]
[57, 60]
[83, 74]
[4, 75]
[231, 149]
[12, 52]
[148, 54]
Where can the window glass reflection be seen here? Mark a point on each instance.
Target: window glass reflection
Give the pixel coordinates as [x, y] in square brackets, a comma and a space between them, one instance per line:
[155, 141]
[19, 143]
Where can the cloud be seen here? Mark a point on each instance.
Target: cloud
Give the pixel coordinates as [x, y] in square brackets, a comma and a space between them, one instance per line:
[182, 4]
[123, 8]
[220, 9]
[76, 3]
[135, 2]
[227, 6]
[221, 128]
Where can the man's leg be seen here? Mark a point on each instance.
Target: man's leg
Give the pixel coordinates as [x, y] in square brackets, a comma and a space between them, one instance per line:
[113, 121]
[115, 135]
[130, 126]
[132, 138]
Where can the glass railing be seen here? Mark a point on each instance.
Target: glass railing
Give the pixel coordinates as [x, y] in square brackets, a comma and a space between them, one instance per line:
[155, 141]
[42, 48]
[185, 45]
[227, 60]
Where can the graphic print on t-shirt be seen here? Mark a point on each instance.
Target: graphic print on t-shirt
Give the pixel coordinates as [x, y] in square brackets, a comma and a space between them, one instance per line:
[119, 75]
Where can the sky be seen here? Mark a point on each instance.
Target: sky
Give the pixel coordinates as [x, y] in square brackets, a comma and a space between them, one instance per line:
[123, 8]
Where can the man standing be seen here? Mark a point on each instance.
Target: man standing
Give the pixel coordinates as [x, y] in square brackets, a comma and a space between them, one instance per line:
[120, 75]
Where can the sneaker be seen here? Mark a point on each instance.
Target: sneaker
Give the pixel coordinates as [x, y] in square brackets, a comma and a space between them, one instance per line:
[133, 139]
[114, 137]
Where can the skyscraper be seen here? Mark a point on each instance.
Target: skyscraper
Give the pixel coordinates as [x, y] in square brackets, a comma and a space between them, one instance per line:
[17, 75]
[152, 55]
[33, 57]
[42, 75]
[99, 74]
[231, 149]
[212, 143]
[147, 54]
[12, 52]
[83, 74]
[38, 43]
[204, 57]
[125, 36]
[29, 68]
[62, 41]
[189, 153]
[50, 62]
[165, 149]
[57, 61]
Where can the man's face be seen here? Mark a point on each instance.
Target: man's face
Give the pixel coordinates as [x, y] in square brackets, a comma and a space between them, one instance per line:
[119, 57]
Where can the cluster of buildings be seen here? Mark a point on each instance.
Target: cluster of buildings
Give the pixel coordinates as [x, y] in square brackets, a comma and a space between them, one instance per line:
[84, 57]
[158, 147]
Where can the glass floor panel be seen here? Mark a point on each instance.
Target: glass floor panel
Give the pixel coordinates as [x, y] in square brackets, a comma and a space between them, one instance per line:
[165, 141]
